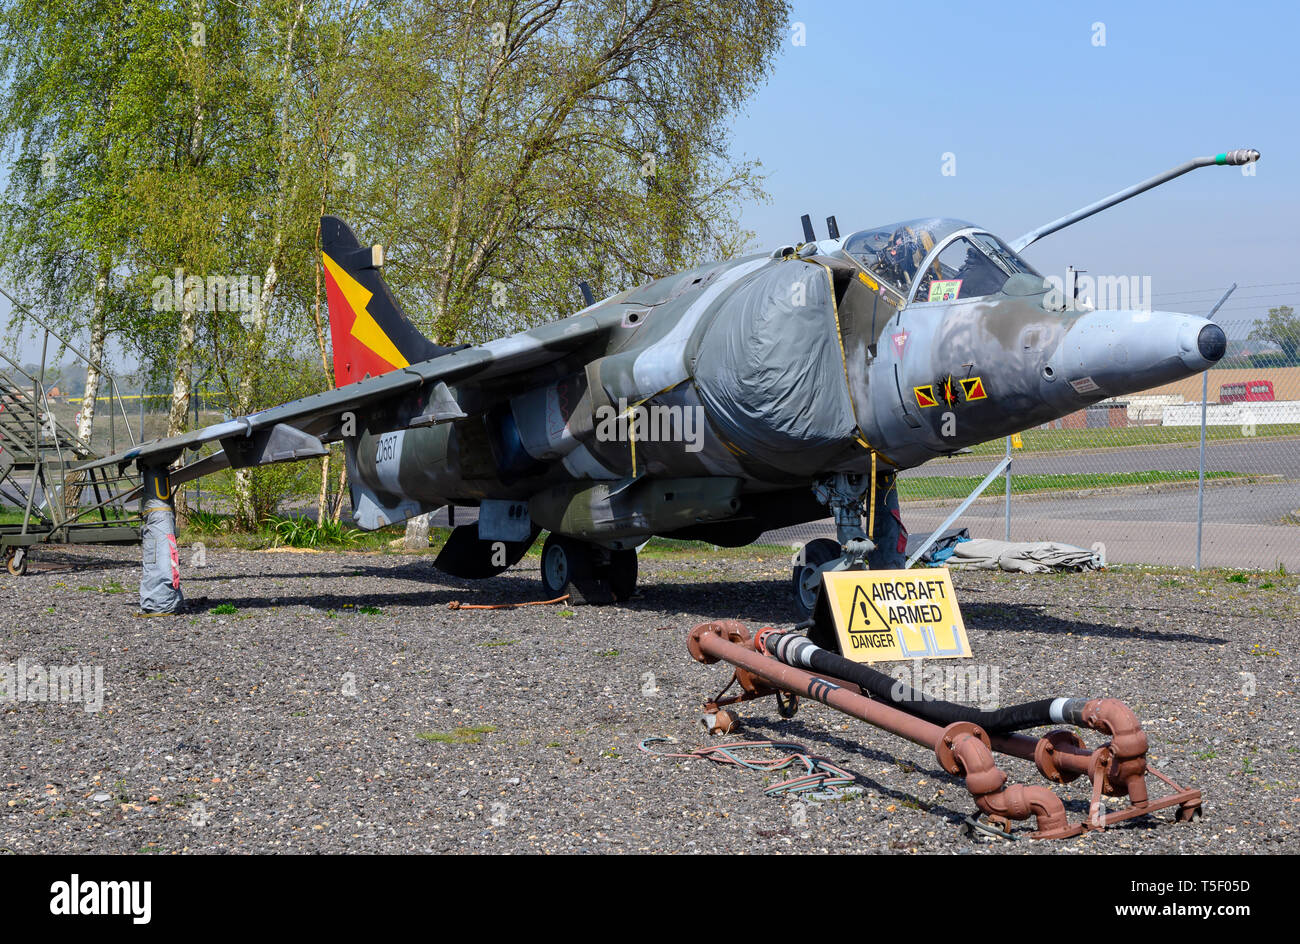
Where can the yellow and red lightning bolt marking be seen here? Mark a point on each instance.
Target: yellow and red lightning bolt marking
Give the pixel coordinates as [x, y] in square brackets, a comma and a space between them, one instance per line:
[947, 391]
[361, 349]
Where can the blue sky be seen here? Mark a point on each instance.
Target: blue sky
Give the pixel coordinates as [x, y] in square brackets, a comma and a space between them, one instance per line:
[1041, 122]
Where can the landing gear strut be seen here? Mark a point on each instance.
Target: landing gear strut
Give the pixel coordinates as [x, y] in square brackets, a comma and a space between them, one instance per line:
[846, 496]
[842, 494]
[587, 572]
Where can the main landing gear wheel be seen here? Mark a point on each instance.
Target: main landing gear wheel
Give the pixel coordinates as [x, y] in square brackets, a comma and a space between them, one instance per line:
[804, 582]
[620, 574]
[586, 572]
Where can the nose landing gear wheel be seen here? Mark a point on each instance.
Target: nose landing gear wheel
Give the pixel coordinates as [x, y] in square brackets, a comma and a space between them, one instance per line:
[804, 582]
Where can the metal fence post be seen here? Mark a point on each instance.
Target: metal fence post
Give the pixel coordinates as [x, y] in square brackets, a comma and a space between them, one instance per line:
[1008, 492]
[1205, 396]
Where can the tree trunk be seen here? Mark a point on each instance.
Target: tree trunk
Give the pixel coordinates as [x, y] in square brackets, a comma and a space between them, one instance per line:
[179, 411]
[73, 487]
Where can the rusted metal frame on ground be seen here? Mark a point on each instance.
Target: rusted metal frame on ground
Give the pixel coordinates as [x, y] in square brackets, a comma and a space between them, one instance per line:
[1117, 768]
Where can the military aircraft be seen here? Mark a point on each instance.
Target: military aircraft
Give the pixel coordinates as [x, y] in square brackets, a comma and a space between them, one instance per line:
[715, 404]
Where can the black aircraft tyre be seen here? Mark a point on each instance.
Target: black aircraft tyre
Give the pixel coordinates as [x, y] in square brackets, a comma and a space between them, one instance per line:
[620, 574]
[815, 553]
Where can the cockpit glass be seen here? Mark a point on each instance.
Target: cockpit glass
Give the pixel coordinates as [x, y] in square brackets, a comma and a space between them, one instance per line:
[1003, 254]
[969, 267]
[894, 253]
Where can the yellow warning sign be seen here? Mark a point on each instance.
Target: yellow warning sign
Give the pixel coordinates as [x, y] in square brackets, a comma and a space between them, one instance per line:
[887, 615]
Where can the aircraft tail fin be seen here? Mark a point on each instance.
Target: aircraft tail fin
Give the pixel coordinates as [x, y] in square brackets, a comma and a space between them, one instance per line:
[370, 332]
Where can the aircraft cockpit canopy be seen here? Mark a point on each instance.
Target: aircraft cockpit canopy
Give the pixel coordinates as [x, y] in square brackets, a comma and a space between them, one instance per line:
[967, 266]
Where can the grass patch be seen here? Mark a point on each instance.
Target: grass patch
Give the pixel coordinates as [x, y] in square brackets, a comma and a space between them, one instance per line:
[1052, 440]
[112, 586]
[921, 487]
[223, 609]
[472, 735]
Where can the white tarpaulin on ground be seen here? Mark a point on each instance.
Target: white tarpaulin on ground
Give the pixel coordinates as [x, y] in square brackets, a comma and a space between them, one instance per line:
[1030, 557]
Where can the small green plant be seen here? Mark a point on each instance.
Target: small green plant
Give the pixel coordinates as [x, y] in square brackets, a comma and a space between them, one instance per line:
[301, 531]
[1238, 578]
[223, 609]
[472, 735]
[207, 522]
[370, 610]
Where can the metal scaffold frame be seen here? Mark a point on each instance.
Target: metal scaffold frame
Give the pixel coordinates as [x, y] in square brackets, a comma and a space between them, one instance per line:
[41, 459]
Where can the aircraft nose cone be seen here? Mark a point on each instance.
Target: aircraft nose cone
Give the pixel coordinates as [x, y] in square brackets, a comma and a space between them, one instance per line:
[1114, 352]
[1211, 342]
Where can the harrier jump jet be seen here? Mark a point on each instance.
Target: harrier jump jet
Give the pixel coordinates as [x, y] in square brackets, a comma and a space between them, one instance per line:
[714, 404]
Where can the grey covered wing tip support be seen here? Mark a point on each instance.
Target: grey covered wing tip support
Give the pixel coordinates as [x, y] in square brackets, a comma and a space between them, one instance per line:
[160, 577]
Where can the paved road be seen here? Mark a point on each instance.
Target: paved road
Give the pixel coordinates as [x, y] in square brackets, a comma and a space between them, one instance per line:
[1244, 526]
[1137, 527]
[1262, 503]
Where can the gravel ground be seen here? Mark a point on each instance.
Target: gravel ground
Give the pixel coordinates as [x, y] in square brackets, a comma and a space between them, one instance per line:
[323, 713]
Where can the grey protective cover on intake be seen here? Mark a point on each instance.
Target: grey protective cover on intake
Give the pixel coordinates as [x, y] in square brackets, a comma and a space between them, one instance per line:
[768, 389]
[160, 580]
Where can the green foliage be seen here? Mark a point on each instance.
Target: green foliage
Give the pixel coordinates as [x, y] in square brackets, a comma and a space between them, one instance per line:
[207, 522]
[501, 152]
[301, 531]
[1280, 331]
[583, 139]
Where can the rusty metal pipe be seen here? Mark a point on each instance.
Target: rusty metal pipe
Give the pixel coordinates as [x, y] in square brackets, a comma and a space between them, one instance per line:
[987, 784]
[708, 640]
[962, 748]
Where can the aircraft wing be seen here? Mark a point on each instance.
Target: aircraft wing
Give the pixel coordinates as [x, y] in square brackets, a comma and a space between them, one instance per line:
[301, 428]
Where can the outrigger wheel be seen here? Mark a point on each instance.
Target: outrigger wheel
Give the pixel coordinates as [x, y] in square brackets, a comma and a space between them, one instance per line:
[587, 572]
[16, 561]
